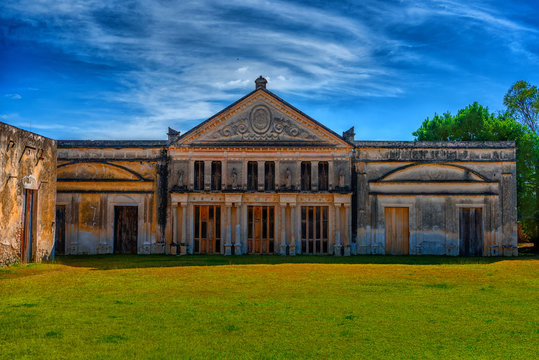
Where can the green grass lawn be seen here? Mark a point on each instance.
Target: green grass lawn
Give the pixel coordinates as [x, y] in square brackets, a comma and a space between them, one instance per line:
[265, 307]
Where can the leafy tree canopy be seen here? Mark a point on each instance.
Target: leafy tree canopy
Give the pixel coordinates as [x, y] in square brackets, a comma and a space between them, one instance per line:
[522, 101]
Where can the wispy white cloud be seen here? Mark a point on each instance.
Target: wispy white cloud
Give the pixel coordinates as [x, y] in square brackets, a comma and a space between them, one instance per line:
[13, 96]
[180, 61]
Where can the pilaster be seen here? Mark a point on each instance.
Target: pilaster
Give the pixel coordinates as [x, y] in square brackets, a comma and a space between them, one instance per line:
[338, 245]
[237, 242]
[228, 241]
[283, 229]
[314, 175]
[261, 177]
[207, 175]
[347, 230]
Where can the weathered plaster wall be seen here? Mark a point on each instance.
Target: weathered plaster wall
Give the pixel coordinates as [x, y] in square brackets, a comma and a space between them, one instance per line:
[27, 160]
[93, 178]
[435, 180]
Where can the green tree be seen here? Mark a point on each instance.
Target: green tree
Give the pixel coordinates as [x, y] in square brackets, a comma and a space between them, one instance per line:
[522, 101]
[476, 123]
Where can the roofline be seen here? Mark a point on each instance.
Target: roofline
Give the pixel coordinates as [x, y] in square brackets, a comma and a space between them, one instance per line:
[276, 98]
[116, 144]
[437, 144]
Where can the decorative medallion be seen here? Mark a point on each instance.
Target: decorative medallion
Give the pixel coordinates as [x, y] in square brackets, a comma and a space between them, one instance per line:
[262, 125]
[260, 119]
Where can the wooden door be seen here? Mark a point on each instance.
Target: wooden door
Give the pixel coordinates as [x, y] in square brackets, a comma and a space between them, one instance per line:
[314, 229]
[207, 239]
[470, 232]
[60, 237]
[397, 234]
[125, 229]
[261, 231]
[29, 225]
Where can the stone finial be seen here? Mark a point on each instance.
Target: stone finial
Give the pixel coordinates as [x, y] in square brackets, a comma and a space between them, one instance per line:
[261, 82]
[173, 134]
[349, 134]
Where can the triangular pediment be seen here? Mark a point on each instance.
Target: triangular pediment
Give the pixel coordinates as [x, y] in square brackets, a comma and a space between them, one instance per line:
[261, 119]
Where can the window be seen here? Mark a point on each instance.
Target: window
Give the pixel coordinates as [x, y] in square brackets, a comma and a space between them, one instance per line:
[323, 176]
[314, 229]
[269, 177]
[199, 175]
[306, 176]
[252, 175]
[216, 175]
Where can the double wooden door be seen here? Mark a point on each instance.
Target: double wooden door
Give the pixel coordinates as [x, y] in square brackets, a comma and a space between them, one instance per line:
[207, 239]
[29, 225]
[60, 237]
[261, 231]
[397, 233]
[314, 229]
[125, 229]
[470, 232]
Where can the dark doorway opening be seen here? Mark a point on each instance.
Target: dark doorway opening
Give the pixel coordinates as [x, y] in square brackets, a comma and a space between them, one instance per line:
[125, 229]
[470, 232]
[60, 237]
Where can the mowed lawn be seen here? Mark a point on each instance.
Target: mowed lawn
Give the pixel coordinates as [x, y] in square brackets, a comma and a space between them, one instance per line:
[266, 307]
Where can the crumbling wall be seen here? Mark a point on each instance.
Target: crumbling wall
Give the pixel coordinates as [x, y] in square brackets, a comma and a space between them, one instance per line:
[27, 161]
[435, 181]
[95, 177]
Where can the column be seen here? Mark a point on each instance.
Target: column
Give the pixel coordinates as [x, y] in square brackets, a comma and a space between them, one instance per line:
[244, 228]
[243, 180]
[183, 242]
[314, 175]
[191, 173]
[338, 246]
[228, 241]
[297, 219]
[331, 175]
[174, 245]
[292, 249]
[207, 175]
[237, 243]
[278, 171]
[224, 172]
[283, 229]
[347, 232]
[298, 172]
[261, 176]
[191, 222]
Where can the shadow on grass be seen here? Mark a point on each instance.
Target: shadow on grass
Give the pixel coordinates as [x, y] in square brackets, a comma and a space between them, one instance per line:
[108, 262]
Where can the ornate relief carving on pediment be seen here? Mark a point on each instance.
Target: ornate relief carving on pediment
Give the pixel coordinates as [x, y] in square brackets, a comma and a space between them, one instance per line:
[260, 124]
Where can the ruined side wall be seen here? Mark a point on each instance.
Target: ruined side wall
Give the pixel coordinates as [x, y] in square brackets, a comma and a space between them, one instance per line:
[27, 160]
[434, 181]
[93, 180]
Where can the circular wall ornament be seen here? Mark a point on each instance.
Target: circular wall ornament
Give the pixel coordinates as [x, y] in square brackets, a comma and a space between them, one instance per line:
[260, 119]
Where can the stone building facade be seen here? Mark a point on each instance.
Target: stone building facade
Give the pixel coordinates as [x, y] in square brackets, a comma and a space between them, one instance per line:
[108, 194]
[262, 177]
[27, 195]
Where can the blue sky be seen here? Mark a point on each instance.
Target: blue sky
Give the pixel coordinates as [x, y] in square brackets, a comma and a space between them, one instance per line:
[100, 69]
